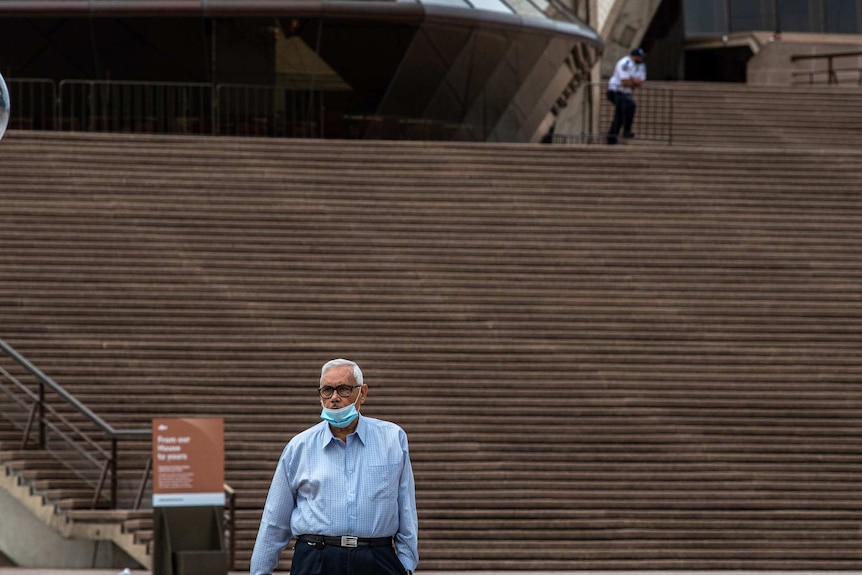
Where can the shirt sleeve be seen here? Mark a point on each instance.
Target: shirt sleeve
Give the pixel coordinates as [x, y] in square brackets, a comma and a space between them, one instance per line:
[407, 538]
[274, 533]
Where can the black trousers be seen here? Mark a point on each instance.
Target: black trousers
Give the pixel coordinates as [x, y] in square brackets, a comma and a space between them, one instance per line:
[624, 114]
[309, 559]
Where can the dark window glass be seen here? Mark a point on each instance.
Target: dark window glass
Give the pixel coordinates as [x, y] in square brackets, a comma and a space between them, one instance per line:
[747, 15]
[705, 17]
[794, 16]
[842, 17]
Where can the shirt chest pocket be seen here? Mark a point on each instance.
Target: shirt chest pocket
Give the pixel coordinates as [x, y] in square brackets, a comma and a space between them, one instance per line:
[383, 481]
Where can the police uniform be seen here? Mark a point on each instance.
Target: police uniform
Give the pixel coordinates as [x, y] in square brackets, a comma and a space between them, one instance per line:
[621, 95]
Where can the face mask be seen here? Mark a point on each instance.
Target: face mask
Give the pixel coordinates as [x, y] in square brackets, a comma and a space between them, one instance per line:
[343, 416]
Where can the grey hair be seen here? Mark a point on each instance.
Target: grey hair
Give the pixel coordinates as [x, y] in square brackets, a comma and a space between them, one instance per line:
[357, 373]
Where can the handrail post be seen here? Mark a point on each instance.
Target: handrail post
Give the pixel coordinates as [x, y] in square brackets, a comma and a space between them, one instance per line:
[42, 438]
[670, 120]
[58, 103]
[91, 106]
[143, 485]
[114, 482]
[30, 418]
[98, 492]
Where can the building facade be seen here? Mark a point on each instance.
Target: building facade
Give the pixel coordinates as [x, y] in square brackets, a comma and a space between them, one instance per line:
[470, 70]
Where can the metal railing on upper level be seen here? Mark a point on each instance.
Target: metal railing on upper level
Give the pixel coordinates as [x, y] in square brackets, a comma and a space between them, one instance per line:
[825, 70]
[54, 421]
[151, 107]
[165, 108]
[653, 119]
[34, 102]
[206, 109]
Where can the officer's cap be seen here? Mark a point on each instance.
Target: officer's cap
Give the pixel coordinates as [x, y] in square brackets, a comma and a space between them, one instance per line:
[639, 52]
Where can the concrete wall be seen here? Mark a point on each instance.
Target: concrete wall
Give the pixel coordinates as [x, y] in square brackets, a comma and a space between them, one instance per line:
[772, 64]
[624, 28]
[28, 539]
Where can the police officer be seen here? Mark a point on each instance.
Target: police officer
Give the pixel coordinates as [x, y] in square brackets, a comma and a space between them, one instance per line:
[629, 73]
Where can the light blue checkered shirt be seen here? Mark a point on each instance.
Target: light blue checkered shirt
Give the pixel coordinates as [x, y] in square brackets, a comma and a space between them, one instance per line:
[323, 486]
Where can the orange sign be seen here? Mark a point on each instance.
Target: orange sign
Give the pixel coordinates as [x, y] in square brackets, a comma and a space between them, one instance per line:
[188, 462]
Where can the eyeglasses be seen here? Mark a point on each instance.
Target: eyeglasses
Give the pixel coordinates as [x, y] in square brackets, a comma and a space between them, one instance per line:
[343, 390]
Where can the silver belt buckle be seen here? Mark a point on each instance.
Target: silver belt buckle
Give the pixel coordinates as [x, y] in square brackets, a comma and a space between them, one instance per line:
[349, 541]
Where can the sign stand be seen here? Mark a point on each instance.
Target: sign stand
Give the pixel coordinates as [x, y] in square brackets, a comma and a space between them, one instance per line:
[188, 497]
[189, 541]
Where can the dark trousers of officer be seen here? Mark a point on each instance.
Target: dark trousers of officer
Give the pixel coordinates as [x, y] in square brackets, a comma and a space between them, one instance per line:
[319, 559]
[624, 114]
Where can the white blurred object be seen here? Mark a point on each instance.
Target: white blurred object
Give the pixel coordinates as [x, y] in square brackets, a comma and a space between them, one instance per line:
[4, 106]
[125, 572]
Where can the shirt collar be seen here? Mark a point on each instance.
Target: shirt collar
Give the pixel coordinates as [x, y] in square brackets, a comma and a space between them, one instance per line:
[327, 436]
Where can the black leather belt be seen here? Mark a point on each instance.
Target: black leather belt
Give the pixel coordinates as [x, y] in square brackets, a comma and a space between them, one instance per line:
[345, 541]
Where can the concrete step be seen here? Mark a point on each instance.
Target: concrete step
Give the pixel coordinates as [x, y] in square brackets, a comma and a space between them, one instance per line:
[696, 323]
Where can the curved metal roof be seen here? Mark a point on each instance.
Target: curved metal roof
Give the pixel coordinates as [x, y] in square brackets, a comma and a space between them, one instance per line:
[550, 16]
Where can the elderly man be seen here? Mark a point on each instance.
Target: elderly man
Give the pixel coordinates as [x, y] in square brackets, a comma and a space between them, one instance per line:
[629, 74]
[344, 489]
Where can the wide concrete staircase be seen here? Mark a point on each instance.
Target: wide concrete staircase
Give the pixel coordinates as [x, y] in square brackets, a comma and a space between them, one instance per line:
[603, 360]
[726, 114]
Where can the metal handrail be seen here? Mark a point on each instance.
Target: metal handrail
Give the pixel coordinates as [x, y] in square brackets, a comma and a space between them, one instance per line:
[654, 120]
[36, 413]
[135, 106]
[263, 110]
[74, 402]
[39, 409]
[221, 110]
[35, 103]
[831, 70]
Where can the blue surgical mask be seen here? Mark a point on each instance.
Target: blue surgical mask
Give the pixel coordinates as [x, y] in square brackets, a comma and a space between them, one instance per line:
[343, 416]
